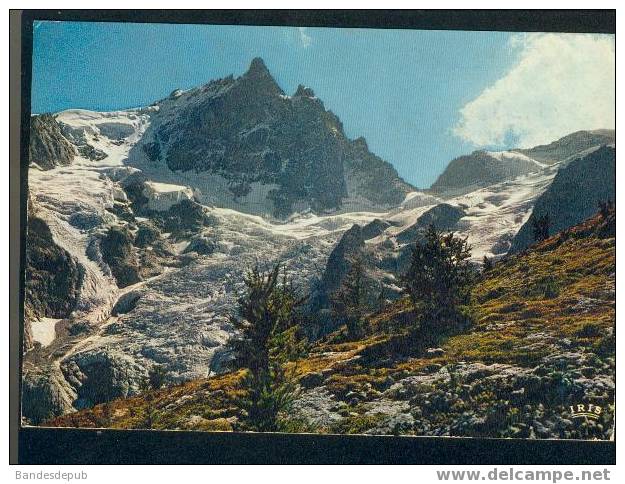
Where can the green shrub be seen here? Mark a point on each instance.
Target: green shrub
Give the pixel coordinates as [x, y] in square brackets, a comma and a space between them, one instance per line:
[589, 330]
[545, 288]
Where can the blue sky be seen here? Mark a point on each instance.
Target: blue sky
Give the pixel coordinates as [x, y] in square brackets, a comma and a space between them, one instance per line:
[420, 98]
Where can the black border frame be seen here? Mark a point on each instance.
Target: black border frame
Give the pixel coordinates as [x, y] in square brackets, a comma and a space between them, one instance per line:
[32, 445]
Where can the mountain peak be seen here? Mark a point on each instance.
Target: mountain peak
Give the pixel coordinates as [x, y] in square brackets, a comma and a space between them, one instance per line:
[361, 143]
[303, 91]
[260, 79]
[258, 66]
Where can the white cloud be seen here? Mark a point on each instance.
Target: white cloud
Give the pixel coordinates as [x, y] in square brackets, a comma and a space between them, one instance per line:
[562, 83]
[304, 37]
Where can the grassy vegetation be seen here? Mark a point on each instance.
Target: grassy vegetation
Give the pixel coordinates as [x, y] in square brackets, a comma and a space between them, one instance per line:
[557, 296]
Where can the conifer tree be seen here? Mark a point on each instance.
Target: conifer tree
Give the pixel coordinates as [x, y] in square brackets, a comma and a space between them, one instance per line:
[438, 282]
[157, 377]
[350, 303]
[540, 227]
[605, 207]
[268, 339]
[487, 264]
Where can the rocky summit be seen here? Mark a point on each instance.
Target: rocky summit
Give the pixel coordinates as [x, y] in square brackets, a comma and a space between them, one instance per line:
[248, 131]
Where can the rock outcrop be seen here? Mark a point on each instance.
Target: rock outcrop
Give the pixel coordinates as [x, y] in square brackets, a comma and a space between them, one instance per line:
[443, 217]
[574, 194]
[52, 277]
[571, 145]
[45, 395]
[118, 252]
[48, 147]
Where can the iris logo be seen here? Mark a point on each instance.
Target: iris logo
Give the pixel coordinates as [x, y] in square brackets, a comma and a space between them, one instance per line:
[585, 410]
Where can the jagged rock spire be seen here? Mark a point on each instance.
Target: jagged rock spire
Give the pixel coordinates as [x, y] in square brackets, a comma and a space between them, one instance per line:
[262, 79]
[258, 67]
[304, 91]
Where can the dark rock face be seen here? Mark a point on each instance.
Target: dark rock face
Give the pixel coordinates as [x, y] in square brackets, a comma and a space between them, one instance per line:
[117, 251]
[248, 131]
[374, 228]
[44, 396]
[372, 177]
[98, 377]
[479, 169]
[134, 187]
[574, 194]
[152, 150]
[570, 145]
[376, 262]
[349, 248]
[52, 278]
[48, 147]
[201, 246]
[91, 153]
[85, 220]
[115, 131]
[126, 303]
[341, 258]
[146, 235]
[184, 218]
[443, 216]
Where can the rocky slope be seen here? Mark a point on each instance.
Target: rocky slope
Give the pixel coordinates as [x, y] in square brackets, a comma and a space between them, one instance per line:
[47, 146]
[52, 276]
[542, 340]
[481, 169]
[383, 248]
[574, 193]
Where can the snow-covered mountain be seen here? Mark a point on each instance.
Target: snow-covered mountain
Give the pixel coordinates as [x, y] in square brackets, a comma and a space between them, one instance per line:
[484, 168]
[247, 145]
[570, 146]
[151, 216]
[480, 169]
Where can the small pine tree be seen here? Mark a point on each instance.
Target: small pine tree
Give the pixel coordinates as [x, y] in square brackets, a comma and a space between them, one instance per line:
[268, 339]
[350, 303]
[487, 264]
[606, 207]
[106, 418]
[438, 282]
[540, 227]
[148, 413]
[157, 376]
